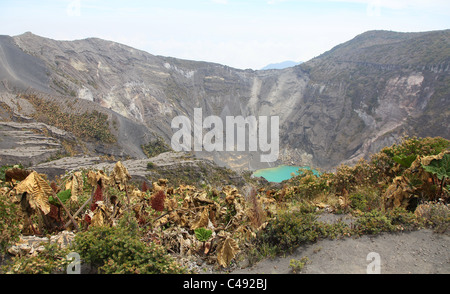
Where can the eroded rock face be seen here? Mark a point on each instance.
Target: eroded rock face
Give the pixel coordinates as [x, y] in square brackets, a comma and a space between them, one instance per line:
[343, 105]
[29, 143]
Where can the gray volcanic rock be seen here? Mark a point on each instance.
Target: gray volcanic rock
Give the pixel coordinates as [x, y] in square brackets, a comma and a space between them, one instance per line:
[343, 105]
[27, 143]
[19, 69]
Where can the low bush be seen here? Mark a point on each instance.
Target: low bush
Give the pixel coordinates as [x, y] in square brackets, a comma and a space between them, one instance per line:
[372, 223]
[9, 222]
[376, 221]
[435, 215]
[287, 231]
[120, 250]
[291, 229]
[51, 260]
[297, 265]
[365, 199]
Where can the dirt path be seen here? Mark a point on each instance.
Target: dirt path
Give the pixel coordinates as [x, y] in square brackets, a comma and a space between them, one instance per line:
[417, 252]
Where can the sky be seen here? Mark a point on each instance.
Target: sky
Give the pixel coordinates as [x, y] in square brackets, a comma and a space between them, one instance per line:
[237, 33]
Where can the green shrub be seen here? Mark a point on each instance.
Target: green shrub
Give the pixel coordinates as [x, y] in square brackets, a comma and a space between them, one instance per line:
[365, 199]
[309, 184]
[333, 231]
[92, 125]
[291, 229]
[52, 259]
[373, 223]
[9, 222]
[150, 165]
[403, 219]
[120, 250]
[287, 231]
[435, 215]
[297, 265]
[155, 147]
[416, 146]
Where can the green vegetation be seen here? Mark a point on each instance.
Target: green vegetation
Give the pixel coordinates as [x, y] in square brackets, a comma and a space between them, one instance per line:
[63, 196]
[439, 167]
[119, 250]
[297, 265]
[50, 261]
[89, 125]
[155, 147]
[203, 234]
[9, 222]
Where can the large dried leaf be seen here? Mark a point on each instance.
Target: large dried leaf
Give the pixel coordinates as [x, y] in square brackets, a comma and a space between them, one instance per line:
[161, 221]
[398, 193]
[38, 190]
[344, 200]
[428, 159]
[101, 215]
[76, 186]
[160, 185]
[202, 221]
[226, 251]
[94, 177]
[136, 195]
[120, 175]
[98, 220]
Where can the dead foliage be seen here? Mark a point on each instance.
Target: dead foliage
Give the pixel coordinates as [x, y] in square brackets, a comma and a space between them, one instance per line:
[169, 215]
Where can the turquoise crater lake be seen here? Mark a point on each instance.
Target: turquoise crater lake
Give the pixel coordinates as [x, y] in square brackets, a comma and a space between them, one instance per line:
[279, 173]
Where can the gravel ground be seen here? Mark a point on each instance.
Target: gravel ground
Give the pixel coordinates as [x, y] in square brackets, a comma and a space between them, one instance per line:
[416, 252]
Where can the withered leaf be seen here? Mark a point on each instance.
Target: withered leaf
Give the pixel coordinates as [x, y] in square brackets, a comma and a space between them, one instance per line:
[397, 194]
[101, 215]
[161, 221]
[98, 220]
[38, 189]
[202, 221]
[120, 175]
[428, 159]
[344, 201]
[93, 177]
[226, 251]
[171, 204]
[136, 195]
[76, 186]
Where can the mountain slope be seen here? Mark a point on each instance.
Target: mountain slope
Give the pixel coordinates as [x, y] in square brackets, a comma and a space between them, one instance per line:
[367, 92]
[356, 98]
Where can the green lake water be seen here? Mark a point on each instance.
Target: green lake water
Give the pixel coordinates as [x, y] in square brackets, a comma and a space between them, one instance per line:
[279, 173]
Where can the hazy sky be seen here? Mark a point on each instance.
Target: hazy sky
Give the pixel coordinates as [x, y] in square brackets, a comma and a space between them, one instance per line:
[238, 33]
